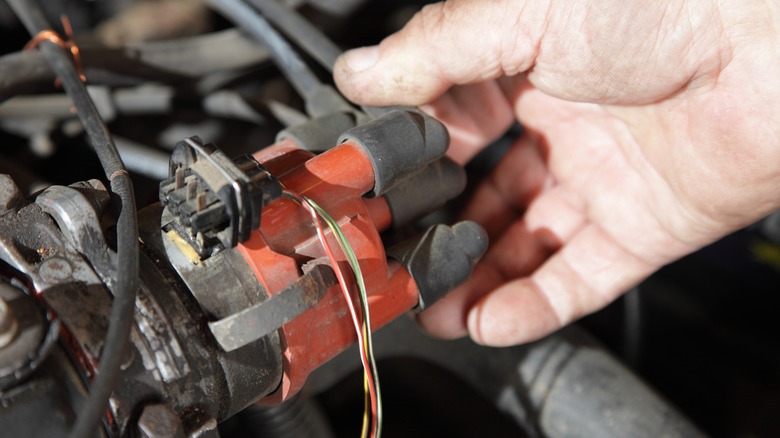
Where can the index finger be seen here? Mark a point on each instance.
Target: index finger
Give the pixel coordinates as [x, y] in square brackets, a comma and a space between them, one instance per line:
[449, 43]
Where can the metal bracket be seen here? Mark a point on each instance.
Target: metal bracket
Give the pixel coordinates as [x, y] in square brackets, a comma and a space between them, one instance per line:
[264, 318]
[79, 220]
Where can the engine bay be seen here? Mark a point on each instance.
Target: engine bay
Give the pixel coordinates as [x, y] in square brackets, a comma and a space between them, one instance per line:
[199, 237]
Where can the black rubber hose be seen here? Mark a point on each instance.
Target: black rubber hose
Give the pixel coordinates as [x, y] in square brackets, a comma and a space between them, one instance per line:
[292, 66]
[300, 30]
[126, 285]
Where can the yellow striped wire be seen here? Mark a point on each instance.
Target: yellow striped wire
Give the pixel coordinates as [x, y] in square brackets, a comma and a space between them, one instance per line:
[363, 295]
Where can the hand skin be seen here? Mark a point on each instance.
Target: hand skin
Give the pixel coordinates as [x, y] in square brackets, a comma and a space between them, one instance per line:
[653, 129]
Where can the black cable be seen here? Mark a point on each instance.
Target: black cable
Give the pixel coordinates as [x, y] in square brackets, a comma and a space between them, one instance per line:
[29, 72]
[320, 99]
[311, 39]
[23, 72]
[300, 30]
[125, 287]
[170, 61]
[292, 66]
[316, 44]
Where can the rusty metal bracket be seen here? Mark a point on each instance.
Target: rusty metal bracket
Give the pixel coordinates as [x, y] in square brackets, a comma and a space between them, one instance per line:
[264, 318]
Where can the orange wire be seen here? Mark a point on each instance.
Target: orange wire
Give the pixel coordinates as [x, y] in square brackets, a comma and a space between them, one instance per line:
[54, 38]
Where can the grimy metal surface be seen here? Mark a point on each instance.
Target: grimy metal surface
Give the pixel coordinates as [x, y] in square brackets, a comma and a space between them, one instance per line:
[264, 318]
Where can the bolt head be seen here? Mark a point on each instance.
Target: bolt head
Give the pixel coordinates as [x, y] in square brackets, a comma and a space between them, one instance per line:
[159, 421]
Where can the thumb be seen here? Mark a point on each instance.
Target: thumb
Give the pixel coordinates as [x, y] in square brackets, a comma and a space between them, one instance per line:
[449, 43]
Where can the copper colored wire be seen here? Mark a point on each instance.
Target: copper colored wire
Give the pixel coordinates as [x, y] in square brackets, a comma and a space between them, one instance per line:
[54, 38]
[357, 320]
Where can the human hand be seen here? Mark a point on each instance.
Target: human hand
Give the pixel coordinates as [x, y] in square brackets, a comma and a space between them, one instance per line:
[652, 129]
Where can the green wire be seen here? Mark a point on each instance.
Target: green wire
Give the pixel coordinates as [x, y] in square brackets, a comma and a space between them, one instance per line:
[353, 262]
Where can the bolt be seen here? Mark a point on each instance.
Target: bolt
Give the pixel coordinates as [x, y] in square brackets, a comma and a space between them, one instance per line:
[100, 196]
[55, 270]
[159, 421]
[98, 185]
[8, 325]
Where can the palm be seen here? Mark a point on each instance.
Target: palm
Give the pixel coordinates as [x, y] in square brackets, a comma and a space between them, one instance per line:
[680, 146]
[579, 185]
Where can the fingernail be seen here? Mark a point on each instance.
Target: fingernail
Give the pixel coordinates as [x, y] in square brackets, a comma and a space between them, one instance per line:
[472, 323]
[362, 58]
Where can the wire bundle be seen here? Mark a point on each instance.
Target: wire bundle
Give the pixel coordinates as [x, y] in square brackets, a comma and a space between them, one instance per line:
[372, 425]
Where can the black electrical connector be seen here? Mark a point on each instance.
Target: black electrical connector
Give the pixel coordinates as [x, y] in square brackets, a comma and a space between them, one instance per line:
[217, 202]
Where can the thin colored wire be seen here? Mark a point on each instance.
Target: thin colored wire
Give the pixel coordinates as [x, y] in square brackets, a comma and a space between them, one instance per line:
[353, 262]
[355, 319]
[368, 381]
[352, 259]
[371, 377]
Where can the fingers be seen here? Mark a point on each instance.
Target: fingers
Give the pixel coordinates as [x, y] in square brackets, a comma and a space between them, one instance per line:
[562, 45]
[559, 212]
[553, 219]
[585, 275]
[446, 319]
[475, 115]
[517, 253]
[455, 42]
[509, 189]
[553, 216]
